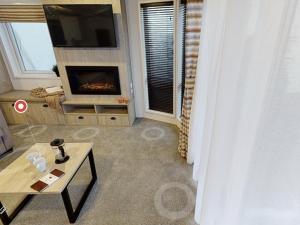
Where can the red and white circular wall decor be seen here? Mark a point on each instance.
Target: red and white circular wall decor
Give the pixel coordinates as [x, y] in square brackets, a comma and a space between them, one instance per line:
[21, 106]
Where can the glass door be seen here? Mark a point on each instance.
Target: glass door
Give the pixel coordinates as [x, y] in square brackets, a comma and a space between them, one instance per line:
[158, 31]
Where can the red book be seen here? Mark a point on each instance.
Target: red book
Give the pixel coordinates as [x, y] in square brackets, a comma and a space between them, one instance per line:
[47, 180]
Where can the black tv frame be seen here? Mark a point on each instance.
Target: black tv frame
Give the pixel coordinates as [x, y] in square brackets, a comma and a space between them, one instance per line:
[83, 46]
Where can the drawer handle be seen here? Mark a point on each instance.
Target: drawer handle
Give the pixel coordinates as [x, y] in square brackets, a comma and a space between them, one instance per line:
[45, 106]
[13, 105]
[80, 117]
[113, 118]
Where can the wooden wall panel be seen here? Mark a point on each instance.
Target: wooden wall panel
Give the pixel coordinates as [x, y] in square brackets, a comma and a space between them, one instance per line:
[118, 56]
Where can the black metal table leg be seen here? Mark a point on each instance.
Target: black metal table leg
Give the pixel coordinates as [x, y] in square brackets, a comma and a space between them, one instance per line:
[73, 215]
[3, 215]
[6, 219]
[68, 205]
[92, 165]
[6, 152]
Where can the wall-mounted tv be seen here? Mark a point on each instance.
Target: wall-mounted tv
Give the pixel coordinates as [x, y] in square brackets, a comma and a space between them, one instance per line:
[78, 25]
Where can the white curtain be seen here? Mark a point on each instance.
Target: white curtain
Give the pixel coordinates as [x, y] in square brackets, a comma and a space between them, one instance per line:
[244, 132]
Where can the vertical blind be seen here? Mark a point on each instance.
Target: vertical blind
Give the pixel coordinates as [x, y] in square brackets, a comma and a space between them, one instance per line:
[158, 19]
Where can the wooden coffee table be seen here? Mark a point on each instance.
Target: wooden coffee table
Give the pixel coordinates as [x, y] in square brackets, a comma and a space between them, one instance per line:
[21, 174]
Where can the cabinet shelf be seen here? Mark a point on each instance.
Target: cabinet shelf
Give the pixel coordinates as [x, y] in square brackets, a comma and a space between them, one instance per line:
[79, 109]
[95, 109]
[101, 114]
[110, 109]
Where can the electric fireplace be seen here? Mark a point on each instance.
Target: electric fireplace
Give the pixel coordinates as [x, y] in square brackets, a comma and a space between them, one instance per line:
[94, 80]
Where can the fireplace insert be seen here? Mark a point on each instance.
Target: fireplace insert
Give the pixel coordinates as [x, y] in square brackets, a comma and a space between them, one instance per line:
[94, 80]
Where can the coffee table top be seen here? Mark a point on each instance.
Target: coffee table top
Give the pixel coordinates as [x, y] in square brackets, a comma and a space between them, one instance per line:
[21, 174]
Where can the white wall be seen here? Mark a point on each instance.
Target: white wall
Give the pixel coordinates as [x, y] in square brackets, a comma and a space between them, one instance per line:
[132, 8]
[31, 83]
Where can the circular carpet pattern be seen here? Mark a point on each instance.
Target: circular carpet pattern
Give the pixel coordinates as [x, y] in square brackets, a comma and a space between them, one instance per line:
[86, 133]
[174, 214]
[32, 130]
[153, 133]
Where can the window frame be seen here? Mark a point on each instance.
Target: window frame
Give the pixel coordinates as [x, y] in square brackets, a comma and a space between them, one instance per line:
[13, 59]
[177, 83]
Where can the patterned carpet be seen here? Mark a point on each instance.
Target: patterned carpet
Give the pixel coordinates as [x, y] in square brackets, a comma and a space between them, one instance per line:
[142, 178]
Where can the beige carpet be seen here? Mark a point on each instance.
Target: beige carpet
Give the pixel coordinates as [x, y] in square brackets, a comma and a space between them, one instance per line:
[142, 180]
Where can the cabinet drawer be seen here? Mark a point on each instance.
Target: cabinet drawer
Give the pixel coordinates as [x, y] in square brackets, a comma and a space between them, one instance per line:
[101, 120]
[81, 120]
[51, 116]
[11, 116]
[41, 113]
[117, 120]
[34, 114]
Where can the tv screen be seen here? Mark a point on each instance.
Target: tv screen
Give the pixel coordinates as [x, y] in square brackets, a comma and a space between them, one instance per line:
[81, 25]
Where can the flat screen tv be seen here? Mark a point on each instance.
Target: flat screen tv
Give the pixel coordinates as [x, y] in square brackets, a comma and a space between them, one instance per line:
[79, 25]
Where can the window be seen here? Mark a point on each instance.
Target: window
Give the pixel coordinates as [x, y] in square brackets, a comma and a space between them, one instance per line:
[28, 49]
[34, 46]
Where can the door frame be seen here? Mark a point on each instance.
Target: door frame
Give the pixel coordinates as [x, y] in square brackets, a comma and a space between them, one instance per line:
[173, 118]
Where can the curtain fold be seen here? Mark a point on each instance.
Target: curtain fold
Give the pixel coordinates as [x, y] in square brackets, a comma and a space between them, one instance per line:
[22, 13]
[192, 41]
[241, 105]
